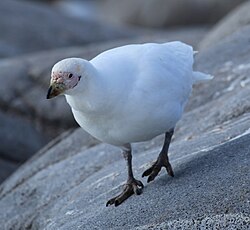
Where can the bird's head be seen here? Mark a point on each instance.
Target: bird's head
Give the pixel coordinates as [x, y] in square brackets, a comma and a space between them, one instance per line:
[65, 76]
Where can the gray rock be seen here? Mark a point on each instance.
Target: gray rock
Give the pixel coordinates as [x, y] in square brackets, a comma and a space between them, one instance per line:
[19, 139]
[6, 168]
[236, 19]
[66, 185]
[161, 13]
[27, 27]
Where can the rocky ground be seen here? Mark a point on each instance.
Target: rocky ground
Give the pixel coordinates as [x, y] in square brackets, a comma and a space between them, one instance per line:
[66, 184]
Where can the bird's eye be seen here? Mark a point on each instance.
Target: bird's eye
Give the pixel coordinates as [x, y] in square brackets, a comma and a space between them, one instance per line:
[70, 75]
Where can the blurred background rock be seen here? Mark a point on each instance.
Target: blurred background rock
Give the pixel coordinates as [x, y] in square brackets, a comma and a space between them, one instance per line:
[162, 13]
[36, 34]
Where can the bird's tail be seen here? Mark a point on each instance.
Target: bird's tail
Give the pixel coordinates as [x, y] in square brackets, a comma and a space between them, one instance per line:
[199, 76]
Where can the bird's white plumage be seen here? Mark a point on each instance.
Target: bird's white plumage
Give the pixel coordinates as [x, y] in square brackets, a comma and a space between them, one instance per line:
[132, 93]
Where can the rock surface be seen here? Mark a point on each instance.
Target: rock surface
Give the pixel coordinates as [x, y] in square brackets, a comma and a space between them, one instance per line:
[66, 185]
[160, 13]
[27, 27]
[236, 19]
[13, 131]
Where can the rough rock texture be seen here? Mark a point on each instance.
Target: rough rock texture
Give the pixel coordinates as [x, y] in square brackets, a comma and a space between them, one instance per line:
[13, 130]
[159, 13]
[26, 27]
[6, 167]
[23, 104]
[236, 19]
[66, 185]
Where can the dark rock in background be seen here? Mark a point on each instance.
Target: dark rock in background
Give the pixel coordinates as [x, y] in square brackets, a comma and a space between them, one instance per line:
[66, 185]
[13, 132]
[19, 141]
[7, 167]
[160, 13]
[27, 27]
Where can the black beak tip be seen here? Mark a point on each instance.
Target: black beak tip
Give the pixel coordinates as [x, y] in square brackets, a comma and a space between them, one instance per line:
[49, 93]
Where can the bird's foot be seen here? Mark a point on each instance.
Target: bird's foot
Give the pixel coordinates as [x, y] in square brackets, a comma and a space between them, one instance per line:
[153, 171]
[132, 186]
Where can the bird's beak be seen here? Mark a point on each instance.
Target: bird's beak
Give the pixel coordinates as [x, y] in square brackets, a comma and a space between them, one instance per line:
[55, 89]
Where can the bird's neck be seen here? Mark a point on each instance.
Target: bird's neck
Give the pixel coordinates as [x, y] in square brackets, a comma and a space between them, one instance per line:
[88, 95]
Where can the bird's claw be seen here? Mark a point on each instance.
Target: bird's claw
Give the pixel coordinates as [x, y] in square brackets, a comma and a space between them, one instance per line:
[131, 187]
[153, 171]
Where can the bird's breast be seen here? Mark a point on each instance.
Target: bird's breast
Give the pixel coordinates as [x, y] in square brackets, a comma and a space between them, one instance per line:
[133, 124]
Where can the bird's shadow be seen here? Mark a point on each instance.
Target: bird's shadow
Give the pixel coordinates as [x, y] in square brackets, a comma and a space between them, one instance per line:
[204, 164]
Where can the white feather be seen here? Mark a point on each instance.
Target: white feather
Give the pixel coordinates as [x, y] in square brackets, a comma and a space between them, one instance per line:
[133, 93]
[199, 76]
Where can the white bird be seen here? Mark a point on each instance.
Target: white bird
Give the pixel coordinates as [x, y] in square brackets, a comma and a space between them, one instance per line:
[129, 94]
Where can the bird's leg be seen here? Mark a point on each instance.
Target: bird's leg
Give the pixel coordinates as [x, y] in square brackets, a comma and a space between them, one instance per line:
[162, 160]
[132, 186]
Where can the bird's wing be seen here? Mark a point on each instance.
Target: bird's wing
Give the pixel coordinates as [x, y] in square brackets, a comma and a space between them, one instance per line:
[147, 68]
[175, 57]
